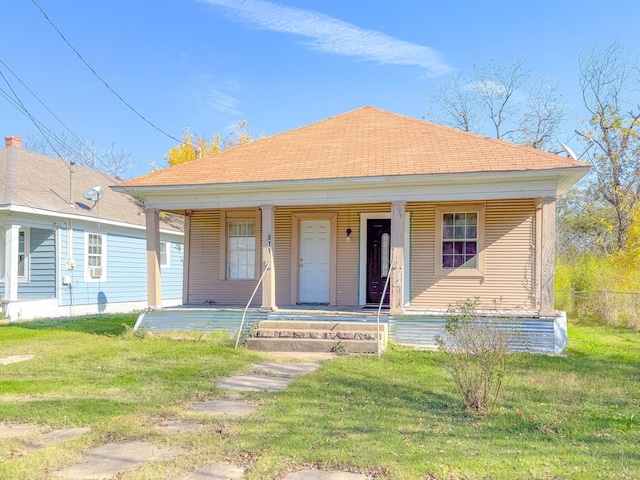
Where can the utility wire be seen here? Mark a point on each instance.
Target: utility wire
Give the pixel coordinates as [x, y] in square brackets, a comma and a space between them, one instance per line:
[100, 78]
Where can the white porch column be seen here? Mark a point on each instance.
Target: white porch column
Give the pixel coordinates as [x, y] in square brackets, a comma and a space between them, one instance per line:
[154, 282]
[546, 248]
[396, 283]
[268, 236]
[12, 240]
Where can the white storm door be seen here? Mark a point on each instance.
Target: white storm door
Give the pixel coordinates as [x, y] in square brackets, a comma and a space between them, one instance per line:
[315, 262]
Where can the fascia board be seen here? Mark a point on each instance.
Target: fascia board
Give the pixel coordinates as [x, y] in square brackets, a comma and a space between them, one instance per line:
[34, 212]
[443, 187]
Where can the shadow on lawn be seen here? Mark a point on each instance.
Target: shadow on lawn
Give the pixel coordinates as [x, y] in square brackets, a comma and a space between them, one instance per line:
[102, 324]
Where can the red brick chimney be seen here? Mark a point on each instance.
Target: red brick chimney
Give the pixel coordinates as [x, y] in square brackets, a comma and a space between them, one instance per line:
[13, 141]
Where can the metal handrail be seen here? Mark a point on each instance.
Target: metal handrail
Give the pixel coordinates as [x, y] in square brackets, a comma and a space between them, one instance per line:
[384, 293]
[244, 313]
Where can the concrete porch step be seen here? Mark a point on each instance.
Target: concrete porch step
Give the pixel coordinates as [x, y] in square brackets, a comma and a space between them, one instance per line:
[311, 345]
[318, 336]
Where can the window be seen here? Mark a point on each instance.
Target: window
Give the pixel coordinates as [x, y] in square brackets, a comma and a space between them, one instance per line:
[165, 254]
[96, 257]
[459, 240]
[241, 249]
[459, 237]
[23, 255]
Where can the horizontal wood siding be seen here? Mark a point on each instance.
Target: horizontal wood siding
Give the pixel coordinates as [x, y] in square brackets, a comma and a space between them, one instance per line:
[42, 266]
[347, 263]
[172, 275]
[205, 285]
[126, 265]
[508, 281]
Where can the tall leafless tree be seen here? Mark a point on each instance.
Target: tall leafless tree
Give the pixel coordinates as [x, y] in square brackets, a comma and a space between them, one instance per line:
[610, 82]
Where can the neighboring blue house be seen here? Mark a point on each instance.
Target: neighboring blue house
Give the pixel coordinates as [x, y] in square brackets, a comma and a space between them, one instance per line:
[71, 245]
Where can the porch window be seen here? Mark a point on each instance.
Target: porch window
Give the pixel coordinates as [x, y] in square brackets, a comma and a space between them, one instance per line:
[95, 257]
[23, 255]
[459, 240]
[241, 250]
[459, 244]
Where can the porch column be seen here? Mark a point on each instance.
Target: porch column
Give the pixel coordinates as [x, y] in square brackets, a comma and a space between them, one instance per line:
[12, 239]
[396, 283]
[268, 236]
[546, 253]
[154, 282]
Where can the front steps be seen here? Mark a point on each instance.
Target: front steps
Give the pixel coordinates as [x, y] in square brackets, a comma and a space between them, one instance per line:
[318, 336]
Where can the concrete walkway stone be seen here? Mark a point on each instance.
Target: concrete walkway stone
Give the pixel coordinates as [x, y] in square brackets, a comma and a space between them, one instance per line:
[255, 383]
[290, 370]
[109, 460]
[8, 431]
[176, 426]
[222, 471]
[15, 359]
[320, 475]
[223, 407]
[58, 436]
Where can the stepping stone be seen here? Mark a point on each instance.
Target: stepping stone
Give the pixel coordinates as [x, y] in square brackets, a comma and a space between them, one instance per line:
[255, 383]
[177, 426]
[109, 460]
[8, 431]
[320, 475]
[15, 359]
[222, 471]
[58, 436]
[223, 407]
[290, 370]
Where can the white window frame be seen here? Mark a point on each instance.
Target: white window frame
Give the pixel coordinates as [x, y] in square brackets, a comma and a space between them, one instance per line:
[103, 277]
[166, 263]
[26, 274]
[441, 210]
[227, 216]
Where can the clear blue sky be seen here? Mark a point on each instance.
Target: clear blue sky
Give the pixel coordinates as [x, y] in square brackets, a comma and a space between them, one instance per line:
[279, 65]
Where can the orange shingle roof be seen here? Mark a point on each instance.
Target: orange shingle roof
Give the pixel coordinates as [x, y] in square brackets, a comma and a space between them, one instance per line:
[367, 142]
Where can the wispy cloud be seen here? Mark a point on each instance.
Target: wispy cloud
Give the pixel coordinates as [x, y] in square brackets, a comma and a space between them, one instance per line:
[331, 35]
[214, 97]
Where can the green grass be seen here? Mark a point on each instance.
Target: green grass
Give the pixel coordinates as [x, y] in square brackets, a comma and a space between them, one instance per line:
[398, 417]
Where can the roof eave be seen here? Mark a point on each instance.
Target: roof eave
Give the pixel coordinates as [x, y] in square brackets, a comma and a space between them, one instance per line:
[494, 184]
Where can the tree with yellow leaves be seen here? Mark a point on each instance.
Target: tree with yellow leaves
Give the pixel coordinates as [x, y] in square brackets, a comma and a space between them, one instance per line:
[193, 147]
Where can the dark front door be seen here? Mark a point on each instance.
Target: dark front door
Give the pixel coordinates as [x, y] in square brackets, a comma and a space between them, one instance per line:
[378, 258]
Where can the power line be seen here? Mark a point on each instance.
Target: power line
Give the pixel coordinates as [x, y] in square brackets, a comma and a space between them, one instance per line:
[100, 78]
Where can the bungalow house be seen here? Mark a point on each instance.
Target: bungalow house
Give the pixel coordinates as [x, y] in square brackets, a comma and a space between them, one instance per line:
[71, 246]
[325, 214]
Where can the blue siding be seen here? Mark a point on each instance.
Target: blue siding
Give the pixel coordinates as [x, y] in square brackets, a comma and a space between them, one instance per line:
[172, 276]
[126, 270]
[42, 266]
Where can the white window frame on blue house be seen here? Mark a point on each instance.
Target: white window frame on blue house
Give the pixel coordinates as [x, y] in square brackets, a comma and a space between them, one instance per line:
[24, 264]
[165, 255]
[102, 255]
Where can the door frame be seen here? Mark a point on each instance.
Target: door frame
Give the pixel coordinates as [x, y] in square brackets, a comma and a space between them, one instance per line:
[364, 217]
[296, 219]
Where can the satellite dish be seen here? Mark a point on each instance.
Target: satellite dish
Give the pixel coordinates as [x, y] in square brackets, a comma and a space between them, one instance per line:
[568, 151]
[93, 194]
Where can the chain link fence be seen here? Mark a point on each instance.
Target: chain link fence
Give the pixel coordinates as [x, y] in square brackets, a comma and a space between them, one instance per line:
[610, 307]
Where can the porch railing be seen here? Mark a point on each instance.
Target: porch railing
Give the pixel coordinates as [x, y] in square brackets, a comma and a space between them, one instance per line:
[384, 294]
[244, 312]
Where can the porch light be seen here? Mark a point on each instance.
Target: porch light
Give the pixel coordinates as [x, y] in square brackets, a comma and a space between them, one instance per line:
[348, 234]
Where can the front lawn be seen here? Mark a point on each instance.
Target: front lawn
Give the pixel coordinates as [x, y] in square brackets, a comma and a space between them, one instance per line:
[398, 417]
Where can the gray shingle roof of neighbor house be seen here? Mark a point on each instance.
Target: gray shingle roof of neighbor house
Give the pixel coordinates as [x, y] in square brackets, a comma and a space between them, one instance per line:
[35, 181]
[367, 142]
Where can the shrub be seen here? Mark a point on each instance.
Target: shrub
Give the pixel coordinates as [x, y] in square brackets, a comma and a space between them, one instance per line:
[478, 354]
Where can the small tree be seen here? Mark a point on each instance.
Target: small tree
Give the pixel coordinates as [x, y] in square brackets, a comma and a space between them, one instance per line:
[478, 354]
